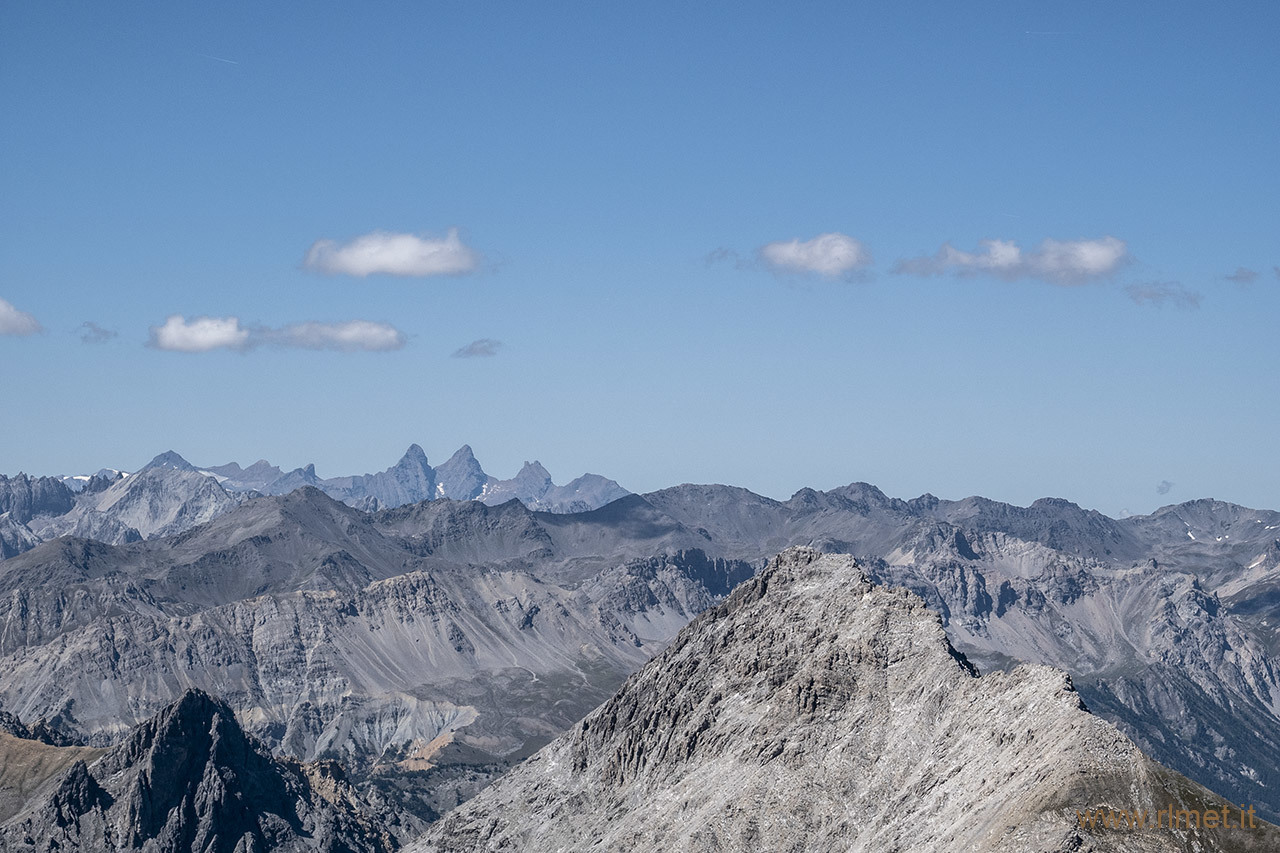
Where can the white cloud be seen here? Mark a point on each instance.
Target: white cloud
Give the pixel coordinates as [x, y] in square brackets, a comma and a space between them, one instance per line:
[1161, 293]
[201, 334]
[346, 337]
[15, 322]
[1057, 261]
[1243, 275]
[827, 255]
[393, 254]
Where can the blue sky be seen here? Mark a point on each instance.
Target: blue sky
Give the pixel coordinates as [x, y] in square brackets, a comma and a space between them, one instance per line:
[640, 195]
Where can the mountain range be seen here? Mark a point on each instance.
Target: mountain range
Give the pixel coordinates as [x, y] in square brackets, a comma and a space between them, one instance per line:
[813, 709]
[413, 479]
[431, 647]
[169, 495]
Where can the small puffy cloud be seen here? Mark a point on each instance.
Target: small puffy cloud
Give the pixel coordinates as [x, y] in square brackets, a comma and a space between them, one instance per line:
[828, 255]
[1243, 275]
[92, 333]
[1164, 487]
[1161, 293]
[1276, 270]
[483, 348]
[15, 322]
[203, 334]
[393, 254]
[1063, 262]
[352, 336]
[200, 334]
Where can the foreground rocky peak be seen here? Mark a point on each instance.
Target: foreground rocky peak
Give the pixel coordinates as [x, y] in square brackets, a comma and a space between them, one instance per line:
[815, 710]
[190, 779]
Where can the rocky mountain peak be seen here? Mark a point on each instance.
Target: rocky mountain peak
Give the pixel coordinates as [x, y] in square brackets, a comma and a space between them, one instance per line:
[190, 779]
[533, 472]
[25, 497]
[169, 459]
[815, 704]
[415, 456]
[461, 478]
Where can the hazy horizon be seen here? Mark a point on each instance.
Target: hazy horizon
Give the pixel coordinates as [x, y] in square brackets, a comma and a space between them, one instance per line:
[561, 477]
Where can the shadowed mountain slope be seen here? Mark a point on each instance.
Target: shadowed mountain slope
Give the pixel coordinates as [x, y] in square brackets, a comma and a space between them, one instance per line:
[188, 779]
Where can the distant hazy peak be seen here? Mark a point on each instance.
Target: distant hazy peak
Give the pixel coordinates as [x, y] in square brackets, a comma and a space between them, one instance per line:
[414, 455]
[462, 454]
[533, 470]
[169, 459]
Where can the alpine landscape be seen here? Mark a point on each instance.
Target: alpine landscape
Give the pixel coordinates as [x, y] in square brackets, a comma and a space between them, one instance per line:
[926, 355]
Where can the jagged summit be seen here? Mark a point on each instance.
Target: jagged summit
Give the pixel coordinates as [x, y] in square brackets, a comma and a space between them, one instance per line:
[461, 478]
[414, 456]
[188, 779]
[413, 479]
[816, 710]
[533, 471]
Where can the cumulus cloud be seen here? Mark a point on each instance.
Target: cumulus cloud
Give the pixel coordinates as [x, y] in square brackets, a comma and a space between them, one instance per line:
[1063, 262]
[828, 255]
[200, 334]
[1161, 293]
[92, 333]
[1164, 487]
[483, 348]
[15, 322]
[203, 334]
[393, 254]
[1243, 275]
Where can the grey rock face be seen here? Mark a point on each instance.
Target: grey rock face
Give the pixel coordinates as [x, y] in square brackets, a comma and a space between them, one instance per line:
[815, 710]
[15, 537]
[40, 731]
[298, 478]
[410, 480]
[160, 500]
[443, 638]
[189, 779]
[533, 487]
[461, 478]
[1167, 623]
[23, 497]
[258, 477]
[170, 460]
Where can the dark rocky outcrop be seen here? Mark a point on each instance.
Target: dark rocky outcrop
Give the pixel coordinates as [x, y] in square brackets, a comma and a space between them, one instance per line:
[190, 779]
